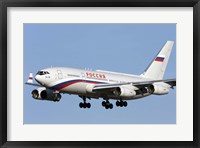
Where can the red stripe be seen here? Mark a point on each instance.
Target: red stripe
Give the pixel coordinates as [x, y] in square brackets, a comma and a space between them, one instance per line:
[159, 60]
[65, 85]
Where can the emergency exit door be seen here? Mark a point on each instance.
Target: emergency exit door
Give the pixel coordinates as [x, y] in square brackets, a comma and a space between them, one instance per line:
[60, 75]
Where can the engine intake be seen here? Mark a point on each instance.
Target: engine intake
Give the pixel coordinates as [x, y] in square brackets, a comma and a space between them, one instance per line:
[45, 94]
[35, 94]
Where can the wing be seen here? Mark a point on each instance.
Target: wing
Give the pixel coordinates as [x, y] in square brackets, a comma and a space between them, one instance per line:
[171, 83]
[33, 84]
[141, 84]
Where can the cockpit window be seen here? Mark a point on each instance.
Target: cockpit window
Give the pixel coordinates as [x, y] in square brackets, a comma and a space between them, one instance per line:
[42, 72]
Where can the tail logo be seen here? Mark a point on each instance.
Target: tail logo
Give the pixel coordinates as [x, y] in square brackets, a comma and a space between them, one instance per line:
[30, 79]
[159, 59]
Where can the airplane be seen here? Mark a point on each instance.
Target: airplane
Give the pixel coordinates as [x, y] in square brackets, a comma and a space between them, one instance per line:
[88, 84]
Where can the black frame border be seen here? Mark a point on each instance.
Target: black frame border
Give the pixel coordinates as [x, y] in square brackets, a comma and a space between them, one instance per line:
[4, 4]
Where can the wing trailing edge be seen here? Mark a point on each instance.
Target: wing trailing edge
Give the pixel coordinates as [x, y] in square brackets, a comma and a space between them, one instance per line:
[171, 82]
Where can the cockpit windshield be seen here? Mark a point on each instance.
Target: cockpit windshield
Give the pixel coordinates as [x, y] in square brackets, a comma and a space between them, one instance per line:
[42, 72]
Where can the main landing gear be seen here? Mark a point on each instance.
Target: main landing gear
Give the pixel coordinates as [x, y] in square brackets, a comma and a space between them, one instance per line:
[121, 103]
[84, 104]
[107, 104]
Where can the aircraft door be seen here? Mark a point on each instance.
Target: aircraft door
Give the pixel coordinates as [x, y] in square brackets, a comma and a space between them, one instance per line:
[60, 75]
[82, 75]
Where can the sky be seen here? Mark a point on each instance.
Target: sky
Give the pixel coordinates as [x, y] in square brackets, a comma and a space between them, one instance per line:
[125, 48]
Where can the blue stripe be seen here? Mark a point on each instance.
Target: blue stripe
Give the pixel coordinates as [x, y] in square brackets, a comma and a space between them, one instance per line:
[74, 81]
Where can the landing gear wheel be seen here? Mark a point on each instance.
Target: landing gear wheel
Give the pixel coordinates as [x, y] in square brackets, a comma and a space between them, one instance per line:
[84, 104]
[117, 103]
[88, 105]
[107, 104]
[121, 103]
[103, 103]
[125, 103]
[106, 107]
[81, 105]
[111, 106]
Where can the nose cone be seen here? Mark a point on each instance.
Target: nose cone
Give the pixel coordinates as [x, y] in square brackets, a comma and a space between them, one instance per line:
[38, 78]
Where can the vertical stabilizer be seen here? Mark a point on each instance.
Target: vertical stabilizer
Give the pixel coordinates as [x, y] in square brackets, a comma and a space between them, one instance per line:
[157, 67]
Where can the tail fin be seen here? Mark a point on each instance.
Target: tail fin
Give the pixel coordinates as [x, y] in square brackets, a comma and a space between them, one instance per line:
[30, 79]
[157, 67]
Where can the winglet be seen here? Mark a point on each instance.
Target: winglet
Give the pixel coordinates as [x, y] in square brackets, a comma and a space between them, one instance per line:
[30, 79]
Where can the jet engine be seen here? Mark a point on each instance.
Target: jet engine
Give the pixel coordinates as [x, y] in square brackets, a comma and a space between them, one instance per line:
[124, 92]
[45, 94]
[158, 90]
[89, 88]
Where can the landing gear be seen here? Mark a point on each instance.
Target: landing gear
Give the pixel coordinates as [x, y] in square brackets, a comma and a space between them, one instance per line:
[107, 104]
[121, 103]
[84, 104]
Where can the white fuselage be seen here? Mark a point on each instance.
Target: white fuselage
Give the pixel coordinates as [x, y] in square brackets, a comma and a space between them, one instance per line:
[79, 82]
[104, 84]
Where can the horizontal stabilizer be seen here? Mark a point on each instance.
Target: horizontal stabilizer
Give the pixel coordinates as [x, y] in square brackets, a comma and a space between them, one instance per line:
[30, 80]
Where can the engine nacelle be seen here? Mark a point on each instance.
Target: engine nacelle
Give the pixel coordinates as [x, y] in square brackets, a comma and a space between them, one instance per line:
[124, 92]
[158, 90]
[89, 88]
[36, 93]
[45, 94]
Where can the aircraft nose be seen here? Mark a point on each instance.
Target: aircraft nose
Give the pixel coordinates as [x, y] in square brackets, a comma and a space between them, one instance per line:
[38, 78]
